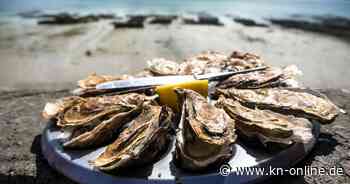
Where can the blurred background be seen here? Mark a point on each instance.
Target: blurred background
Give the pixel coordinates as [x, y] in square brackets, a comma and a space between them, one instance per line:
[47, 45]
[38, 54]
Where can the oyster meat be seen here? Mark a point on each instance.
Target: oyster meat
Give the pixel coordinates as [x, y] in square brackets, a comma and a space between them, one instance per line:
[271, 77]
[99, 135]
[206, 62]
[214, 62]
[92, 80]
[299, 103]
[87, 87]
[242, 61]
[206, 133]
[77, 111]
[53, 109]
[267, 126]
[143, 141]
[160, 66]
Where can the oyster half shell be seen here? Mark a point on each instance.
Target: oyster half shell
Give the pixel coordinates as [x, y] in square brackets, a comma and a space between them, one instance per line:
[92, 80]
[241, 61]
[95, 136]
[160, 66]
[140, 143]
[214, 62]
[87, 87]
[287, 101]
[271, 77]
[206, 62]
[206, 133]
[267, 126]
[77, 111]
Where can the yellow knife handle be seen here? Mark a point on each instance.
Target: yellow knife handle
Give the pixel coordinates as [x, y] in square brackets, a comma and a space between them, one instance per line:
[168, 97]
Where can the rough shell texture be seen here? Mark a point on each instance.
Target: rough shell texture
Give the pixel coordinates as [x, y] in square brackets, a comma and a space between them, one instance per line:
[206, 62]
[206, 133]
[160, 66]
[77, 111]
[299, 103]
[104, 132]
[92, 80]
[242, 61]
[52, 109]
[271, 77]
[267, 126]
[142, 142]
[214, 62]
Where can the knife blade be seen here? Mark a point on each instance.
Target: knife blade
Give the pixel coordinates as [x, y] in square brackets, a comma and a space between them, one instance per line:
[144, 81]
[162, 80]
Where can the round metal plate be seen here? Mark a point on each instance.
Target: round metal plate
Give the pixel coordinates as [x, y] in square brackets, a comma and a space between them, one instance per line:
[75, 164]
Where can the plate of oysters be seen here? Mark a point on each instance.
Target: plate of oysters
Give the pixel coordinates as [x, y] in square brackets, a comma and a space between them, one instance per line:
[186, 132]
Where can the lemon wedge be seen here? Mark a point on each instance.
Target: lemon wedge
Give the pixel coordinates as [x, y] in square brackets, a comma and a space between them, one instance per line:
[168, 97]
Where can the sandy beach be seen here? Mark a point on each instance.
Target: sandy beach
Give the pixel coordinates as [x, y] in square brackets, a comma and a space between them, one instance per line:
[40, 63]
[54, 56]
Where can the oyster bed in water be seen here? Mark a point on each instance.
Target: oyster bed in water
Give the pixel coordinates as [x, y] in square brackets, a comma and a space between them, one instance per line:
[267, 105]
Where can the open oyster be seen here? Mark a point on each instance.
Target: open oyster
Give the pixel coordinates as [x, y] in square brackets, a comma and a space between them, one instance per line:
[206, 133]
[92, 80]
[241, 61]
[77, 111]
[160, 66]
[286, 101]
[267, 126]
[213, 62]
[206, 62]
[140, 143]
[51, 110]
[87, 87]
[271, 77]
[94, 136]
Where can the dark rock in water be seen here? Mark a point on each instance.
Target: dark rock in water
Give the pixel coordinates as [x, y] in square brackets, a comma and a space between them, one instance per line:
[138, 18]
[249, 22]
[106, 16]
[291, 23]
[203, 19]
[127, 24]
[66, 18]
[335, 22]
[163, 19]
[337, 26]
[134, 21]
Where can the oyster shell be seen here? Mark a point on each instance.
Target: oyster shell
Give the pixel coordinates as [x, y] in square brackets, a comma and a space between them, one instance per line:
[267, 126]
[77, 111]
[94, 136]
[144, 73]
[92, 80]
[140, 143]
[87, 87]
[51, 110]
[206, 62]
[160, 66]
[241, 61]
[299, 103]
[214, 62]
[206, 133]
[271, 77]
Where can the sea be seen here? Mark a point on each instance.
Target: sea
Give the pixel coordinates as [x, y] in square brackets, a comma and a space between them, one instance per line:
[245, 8]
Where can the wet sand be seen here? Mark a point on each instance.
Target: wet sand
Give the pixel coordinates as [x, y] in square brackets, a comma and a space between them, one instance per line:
[54, 57]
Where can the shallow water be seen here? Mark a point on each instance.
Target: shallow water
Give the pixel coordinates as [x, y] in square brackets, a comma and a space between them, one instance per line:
[253, 8]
